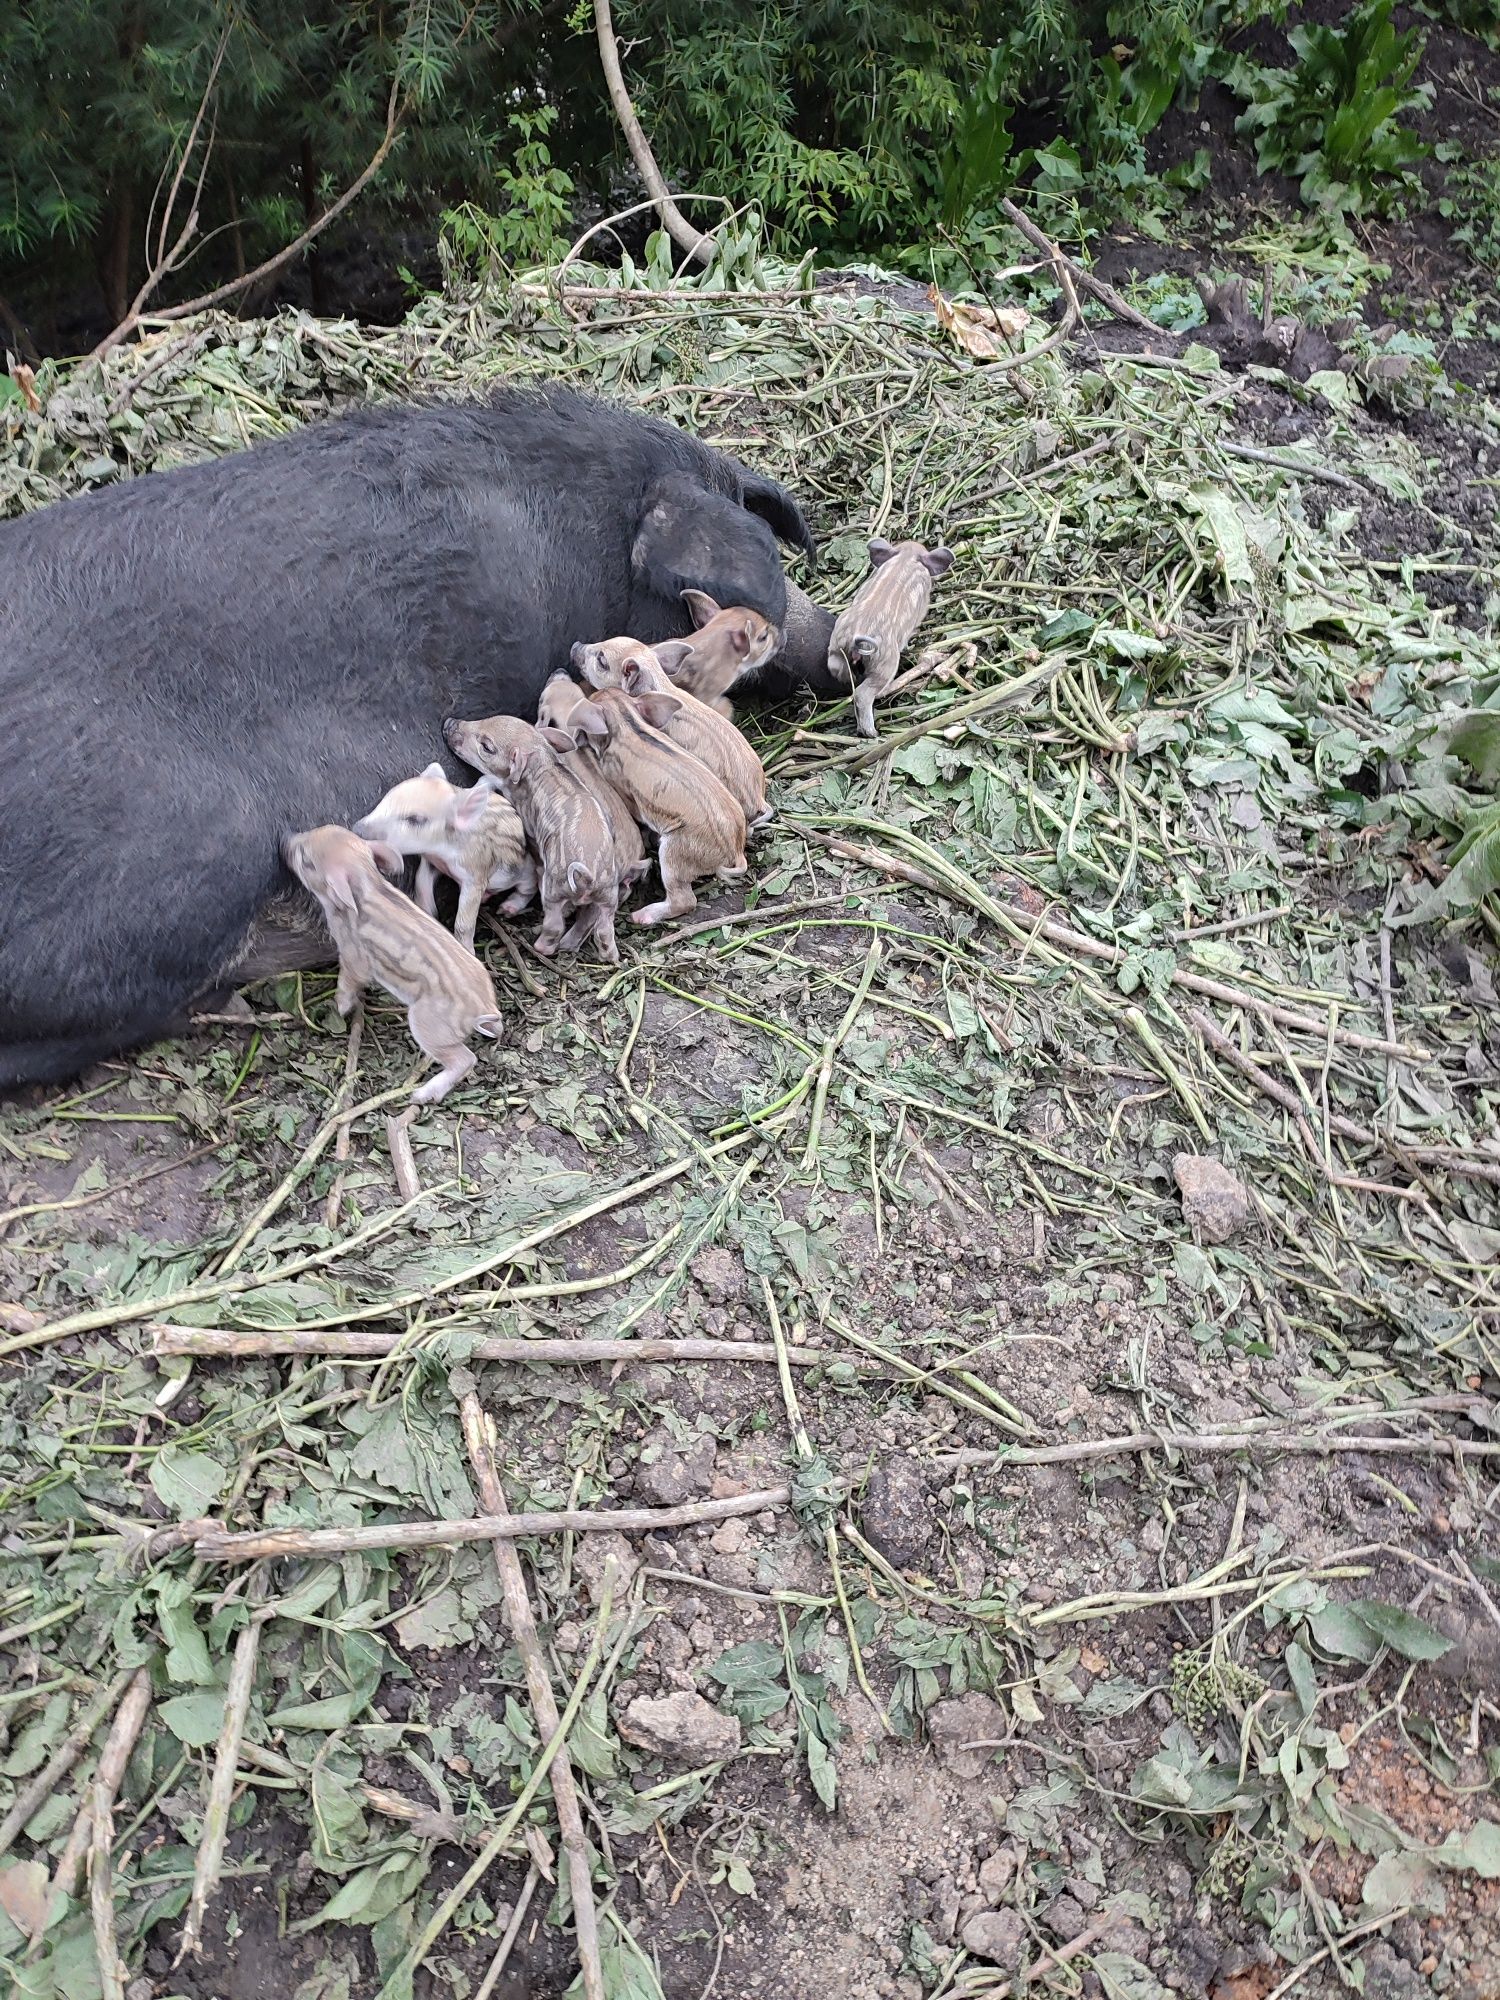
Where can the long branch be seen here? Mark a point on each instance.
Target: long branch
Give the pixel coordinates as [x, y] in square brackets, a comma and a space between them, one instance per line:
[693, 241]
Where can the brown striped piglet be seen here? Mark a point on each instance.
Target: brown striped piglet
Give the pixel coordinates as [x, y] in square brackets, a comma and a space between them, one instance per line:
[384, 940]
[560, 698]
[699, 824]
[569, 830]
[730, 645]
[474, 836]
[700, 730]
[886, 609]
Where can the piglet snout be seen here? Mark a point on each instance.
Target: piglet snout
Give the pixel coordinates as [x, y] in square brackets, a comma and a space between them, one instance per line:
[576, 652]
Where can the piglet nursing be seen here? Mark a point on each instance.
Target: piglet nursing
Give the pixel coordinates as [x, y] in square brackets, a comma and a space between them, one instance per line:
[874, 627]
[475, 836]
[729, 646]
[383, 939]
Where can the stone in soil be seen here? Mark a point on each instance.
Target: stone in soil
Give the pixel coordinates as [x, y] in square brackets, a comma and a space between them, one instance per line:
[1214, 1202]
[959, 1720]
[996, 1935]
[682, 1727]
[896, 1513]
[592, 1554]
[670, 1473]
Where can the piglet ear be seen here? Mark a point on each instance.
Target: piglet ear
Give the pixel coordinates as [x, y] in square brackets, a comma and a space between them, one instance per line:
[471, 804]
[701, 605]
[387, 858]
[881, 551]
[939, 561]
[658, 709]
[587, 721]
[559, 739]
[671, 653]
[338, 886]
[435, 770]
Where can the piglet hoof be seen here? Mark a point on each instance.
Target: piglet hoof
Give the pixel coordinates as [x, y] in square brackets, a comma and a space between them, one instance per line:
[513, 905]
[435, 1091]
[546, 947]
[655, 913]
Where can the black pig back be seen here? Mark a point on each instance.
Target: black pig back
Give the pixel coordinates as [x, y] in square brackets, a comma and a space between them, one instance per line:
[196, 663]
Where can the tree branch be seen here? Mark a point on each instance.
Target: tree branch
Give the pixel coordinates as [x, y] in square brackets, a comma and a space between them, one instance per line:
[682, 232]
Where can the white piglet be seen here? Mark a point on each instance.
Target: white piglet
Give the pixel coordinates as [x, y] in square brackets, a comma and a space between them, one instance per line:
[475, 836]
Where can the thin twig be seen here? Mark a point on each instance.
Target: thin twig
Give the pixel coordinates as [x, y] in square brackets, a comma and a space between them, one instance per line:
[398, 1138]
[218, 1545]
[1300, 1442]
[128, 1722]
[35, 1793]
[222, 1785]
[343, 1138]
[228, 1344]
[479, 1437]
[1083, 278]
[507, 1943]
[693, 241]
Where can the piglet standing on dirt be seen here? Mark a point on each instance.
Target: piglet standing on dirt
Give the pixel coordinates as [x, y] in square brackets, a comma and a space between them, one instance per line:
[730, 645]
[692, 724]
[383, 939]
[699, 824]
[886, 609]
[476, 836]
[561, 697]
[581, 872]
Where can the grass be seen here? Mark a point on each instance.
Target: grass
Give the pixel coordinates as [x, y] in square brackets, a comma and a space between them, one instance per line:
[1115, 800]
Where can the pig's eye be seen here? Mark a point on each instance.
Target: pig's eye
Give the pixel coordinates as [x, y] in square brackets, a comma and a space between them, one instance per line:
[487, 745]
[413, 819]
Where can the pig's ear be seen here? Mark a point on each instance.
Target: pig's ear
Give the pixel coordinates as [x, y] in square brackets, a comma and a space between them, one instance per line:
[939, 561]
[587, 721]
[881, 551]
[657, 708]
[701, 605]
[471, 804]
[338, 886]
[387, 858]
[560, 739]
[435, 770]
[671, 653]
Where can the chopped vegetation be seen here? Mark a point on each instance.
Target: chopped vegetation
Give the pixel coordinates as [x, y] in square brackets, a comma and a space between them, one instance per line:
[1119, 1601]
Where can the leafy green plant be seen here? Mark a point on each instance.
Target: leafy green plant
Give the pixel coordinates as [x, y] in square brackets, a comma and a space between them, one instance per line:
[531, 227]
[1470, 204]
[1332, 121]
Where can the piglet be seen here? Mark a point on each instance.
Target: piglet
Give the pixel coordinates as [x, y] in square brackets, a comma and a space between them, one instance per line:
[699, 824]
[699, 729]
[729, 645]
[581, 873]
[475, 836]
[384, 940]
[886, 609]
[560, 699]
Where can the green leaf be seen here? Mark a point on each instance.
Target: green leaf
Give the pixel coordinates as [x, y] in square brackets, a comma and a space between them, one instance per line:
[372, 1893]
[749, 1665]
[1338, 1632]
[1304, 1682]
[194, 1719]
[1127, 645]
[187, 1649]
[822, 1770]
[187, 1483]
[1477, 740]
[1226, 529]
[1401, 1881]
[1065, 626]
[1478, 1850]
[918, 760]
[1405, 1634]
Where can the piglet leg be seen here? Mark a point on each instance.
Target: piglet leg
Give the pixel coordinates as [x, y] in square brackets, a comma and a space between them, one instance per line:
[470, 896]
[677, 882]
[524, 892]
[554, 922]
[457, 1062]
[426, 900]
[864, 709]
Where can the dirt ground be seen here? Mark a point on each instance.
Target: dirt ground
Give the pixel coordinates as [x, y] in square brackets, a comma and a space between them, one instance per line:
[1217, 1719]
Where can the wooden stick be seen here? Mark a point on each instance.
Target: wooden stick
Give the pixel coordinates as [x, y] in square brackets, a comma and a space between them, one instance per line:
[341, 1144]
[128, 1722]
[1087, 947]
[425, 1821]
[40, 1333]
[1083, 278]
[222, 1786]
[348, 1344]
[398, 1138]
[218, 1545]
[693, 241]
[506, 1945]
[479, 1437]
[1195, 1441]
[35, 1793]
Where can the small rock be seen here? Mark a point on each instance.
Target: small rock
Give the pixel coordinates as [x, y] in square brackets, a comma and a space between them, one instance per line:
[1474, 1656]
[719, 1272]
[996, 1935]
[962, 1719]
[682, 1727]
[668, 1474]
[1084, 1894]
[703, 1636]
[569, 1636]
[1066, 1918]
[592, 1554]
[731, 1538]
[1215, 1204]
[996, 1874]
[896, 1512]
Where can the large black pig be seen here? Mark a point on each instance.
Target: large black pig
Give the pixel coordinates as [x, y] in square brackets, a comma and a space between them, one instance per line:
[194, 664]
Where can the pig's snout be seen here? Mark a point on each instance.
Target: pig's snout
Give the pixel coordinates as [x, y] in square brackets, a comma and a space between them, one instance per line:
[451, 728]
[363, 827]
[577, 653]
